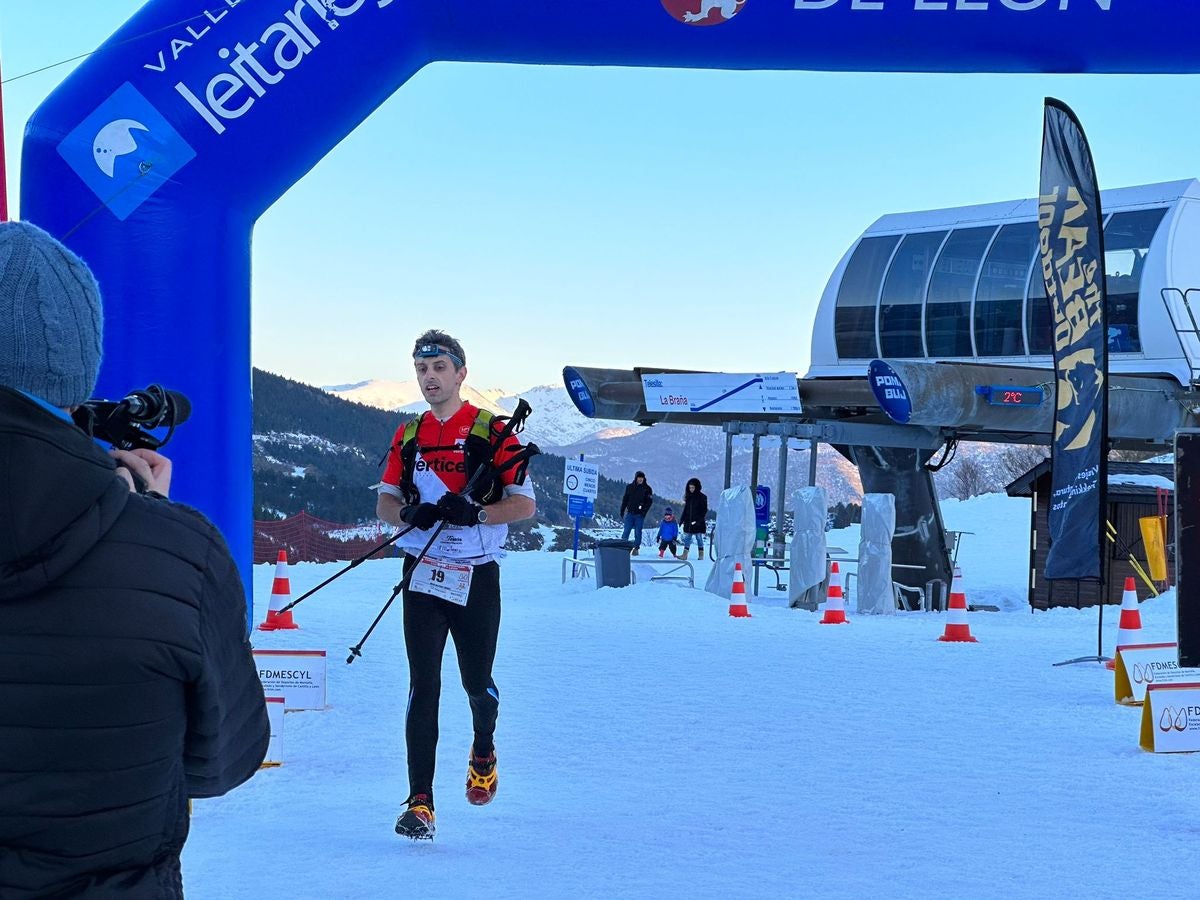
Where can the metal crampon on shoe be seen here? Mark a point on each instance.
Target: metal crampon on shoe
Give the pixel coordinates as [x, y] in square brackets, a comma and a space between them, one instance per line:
[417, 822]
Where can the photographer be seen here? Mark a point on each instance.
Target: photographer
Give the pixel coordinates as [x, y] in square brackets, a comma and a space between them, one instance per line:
[126, 680]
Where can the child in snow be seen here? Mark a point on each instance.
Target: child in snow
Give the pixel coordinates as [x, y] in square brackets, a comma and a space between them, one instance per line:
[668, 532]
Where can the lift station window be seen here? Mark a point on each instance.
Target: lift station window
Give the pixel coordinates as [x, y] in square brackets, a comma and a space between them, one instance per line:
[916, 290]
[1127, 237]
[948, 309]
[903, 298]
[858, 297]
[1001, 295]
[1126, 242]
[1038, 314]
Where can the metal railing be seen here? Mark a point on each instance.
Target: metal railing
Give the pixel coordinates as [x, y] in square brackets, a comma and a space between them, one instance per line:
[1189, 328]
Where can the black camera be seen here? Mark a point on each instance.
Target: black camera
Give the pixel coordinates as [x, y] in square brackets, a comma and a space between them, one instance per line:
[127, 423]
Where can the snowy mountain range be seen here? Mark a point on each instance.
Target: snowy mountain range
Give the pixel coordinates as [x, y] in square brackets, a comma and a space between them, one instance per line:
[555, 421]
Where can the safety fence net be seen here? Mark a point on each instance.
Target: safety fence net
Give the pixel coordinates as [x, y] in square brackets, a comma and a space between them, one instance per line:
[309, 539]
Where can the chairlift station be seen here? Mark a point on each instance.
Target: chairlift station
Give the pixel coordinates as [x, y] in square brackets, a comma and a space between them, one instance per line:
[934, 328]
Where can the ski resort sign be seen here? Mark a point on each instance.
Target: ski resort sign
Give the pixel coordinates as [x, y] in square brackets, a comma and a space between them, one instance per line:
[581, 478]
[719, 392]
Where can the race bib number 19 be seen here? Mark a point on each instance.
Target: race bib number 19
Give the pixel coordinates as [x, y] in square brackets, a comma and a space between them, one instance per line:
[449, 581]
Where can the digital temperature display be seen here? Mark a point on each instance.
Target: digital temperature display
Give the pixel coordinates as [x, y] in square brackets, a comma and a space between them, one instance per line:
[1007, 395]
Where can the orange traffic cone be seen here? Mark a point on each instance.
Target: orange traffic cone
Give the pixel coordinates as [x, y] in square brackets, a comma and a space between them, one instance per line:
[281, 595]
[737, 596]
[835, 605]
[1131, 619]
[957, 628]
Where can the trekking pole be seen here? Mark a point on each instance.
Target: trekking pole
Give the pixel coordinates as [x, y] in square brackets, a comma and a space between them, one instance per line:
[361, 559]
[356, 650]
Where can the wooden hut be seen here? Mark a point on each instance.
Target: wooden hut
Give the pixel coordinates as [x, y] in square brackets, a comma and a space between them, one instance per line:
[1134, 490]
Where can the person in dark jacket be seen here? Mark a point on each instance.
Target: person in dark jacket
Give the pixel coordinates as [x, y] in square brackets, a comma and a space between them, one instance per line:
[127, 684]
[694, 517]
[634, 505]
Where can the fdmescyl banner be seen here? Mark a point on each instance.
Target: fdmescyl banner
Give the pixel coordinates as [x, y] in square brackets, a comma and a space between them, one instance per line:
[1072, 254]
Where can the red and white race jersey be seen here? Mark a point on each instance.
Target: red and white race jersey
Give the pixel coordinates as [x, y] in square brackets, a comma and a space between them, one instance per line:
[440, 466]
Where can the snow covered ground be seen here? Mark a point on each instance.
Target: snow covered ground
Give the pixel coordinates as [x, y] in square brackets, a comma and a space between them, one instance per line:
[652, 747]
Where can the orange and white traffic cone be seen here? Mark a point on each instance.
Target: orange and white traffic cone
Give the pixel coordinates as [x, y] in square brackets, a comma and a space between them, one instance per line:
[1131, 619]
[737, 596]
[281, 596]
[957, 628]
[835, 603]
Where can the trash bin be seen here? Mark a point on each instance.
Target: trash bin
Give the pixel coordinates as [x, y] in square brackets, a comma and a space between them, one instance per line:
[612, 563]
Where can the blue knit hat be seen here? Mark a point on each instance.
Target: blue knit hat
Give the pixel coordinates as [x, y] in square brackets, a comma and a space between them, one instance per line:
[52, 320]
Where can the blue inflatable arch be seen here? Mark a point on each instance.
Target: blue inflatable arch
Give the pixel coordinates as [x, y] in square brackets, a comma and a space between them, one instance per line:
[156, 157]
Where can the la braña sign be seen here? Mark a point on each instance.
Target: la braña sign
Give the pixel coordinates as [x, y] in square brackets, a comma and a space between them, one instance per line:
[721, 392]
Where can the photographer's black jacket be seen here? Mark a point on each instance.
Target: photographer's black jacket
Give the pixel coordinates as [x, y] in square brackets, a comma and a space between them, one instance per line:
[126, 681]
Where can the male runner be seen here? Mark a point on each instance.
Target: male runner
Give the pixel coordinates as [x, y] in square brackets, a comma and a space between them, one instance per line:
[455, 588]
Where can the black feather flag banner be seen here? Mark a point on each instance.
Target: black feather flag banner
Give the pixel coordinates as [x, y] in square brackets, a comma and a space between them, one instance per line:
[1072, 258]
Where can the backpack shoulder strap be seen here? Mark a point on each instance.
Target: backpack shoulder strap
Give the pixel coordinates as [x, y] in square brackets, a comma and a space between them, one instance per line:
[410, 430]
[482, 426]
[408, 456]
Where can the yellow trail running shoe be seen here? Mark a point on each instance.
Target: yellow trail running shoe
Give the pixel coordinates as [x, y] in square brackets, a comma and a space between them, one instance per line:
[481, 779]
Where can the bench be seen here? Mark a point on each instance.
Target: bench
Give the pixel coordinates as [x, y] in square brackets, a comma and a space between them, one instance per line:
[673, 569]
[774, 565]
[583, 567]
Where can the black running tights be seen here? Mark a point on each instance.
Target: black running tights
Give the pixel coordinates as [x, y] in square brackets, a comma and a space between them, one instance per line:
[475, 628]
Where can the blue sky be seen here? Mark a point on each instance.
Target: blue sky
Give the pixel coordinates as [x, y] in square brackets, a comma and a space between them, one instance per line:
[618, 217]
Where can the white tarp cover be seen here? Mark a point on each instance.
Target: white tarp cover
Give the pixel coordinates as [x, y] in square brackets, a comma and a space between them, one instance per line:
[733, 540]
[806, 583]
[875, 593]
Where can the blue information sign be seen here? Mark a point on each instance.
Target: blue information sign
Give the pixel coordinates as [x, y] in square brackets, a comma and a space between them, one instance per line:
[580, 506]
[762, 504]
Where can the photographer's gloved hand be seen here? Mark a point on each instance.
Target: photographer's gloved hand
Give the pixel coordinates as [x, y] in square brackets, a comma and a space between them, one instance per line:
[458, 510]
[421, 515]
